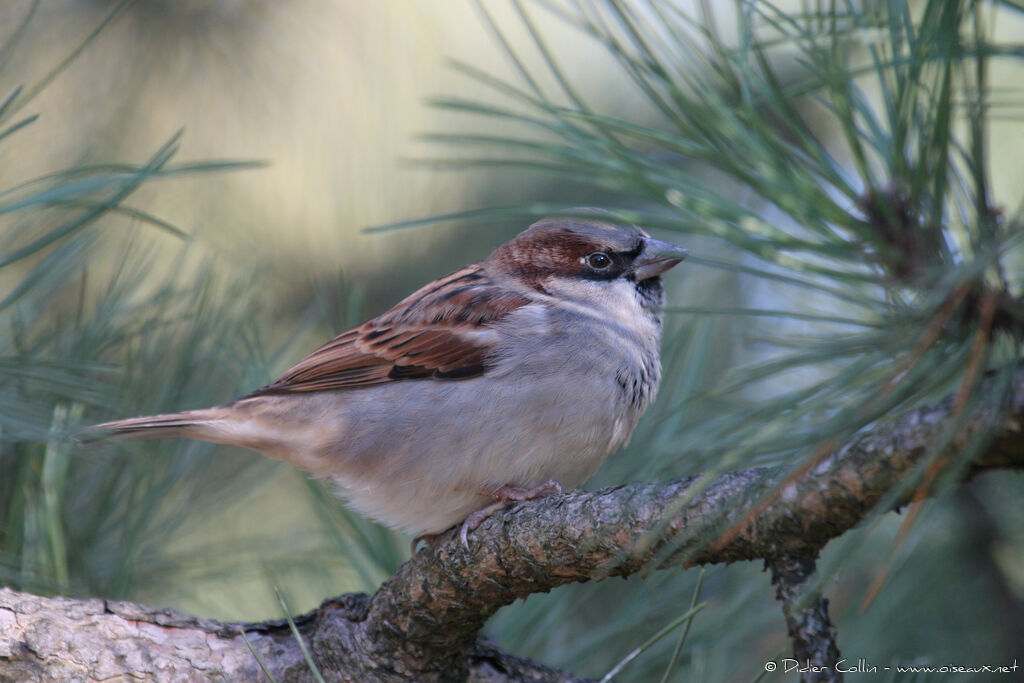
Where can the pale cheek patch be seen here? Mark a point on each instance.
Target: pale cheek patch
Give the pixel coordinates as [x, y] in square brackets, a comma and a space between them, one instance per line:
[612, 300]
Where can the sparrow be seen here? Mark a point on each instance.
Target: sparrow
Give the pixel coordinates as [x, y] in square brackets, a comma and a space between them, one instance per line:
[510, 378]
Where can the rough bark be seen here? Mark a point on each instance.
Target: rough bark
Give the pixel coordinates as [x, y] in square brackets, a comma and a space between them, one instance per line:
[422, 624]
[807, 620]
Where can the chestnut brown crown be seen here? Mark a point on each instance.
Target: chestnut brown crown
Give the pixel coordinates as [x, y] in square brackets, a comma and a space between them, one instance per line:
[597, 248]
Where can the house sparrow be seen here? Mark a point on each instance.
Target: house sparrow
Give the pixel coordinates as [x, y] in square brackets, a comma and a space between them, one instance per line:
[509, 378]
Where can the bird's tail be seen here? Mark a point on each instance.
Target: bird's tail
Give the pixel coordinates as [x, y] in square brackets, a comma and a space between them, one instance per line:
[190, 424]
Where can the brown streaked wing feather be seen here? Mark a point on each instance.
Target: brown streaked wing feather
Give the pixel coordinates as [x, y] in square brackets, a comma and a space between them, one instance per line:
[437, 332]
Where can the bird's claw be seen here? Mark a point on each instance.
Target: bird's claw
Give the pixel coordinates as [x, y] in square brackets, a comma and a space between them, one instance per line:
[502, 497]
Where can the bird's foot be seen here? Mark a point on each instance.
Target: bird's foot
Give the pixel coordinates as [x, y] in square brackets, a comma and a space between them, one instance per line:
[502, 497]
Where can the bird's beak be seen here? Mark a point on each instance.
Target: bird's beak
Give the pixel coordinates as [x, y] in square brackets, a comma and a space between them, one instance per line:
[656, 258]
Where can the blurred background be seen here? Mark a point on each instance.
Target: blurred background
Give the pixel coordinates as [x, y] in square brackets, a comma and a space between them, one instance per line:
[212, 188]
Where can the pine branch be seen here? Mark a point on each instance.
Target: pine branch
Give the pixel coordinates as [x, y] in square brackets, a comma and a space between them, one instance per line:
[423, 623]
[807, 620]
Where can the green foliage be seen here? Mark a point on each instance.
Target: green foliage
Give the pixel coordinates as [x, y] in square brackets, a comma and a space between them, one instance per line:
[67, 325]
[835, 163]
[98, 320]
[830, 170]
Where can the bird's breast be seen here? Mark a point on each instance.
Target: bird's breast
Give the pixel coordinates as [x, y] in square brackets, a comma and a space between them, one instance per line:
[561, 394]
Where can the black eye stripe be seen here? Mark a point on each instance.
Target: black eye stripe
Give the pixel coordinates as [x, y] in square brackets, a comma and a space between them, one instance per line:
[618, 264]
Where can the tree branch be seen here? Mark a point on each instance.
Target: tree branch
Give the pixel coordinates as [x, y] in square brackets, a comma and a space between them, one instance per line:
[59, 639]
[422, 624]
[807, 621]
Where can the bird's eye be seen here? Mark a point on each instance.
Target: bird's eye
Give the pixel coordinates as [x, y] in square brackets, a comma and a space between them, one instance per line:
[598, 260]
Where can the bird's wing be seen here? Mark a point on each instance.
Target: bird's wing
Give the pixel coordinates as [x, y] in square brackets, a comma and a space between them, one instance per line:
[440, 331]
